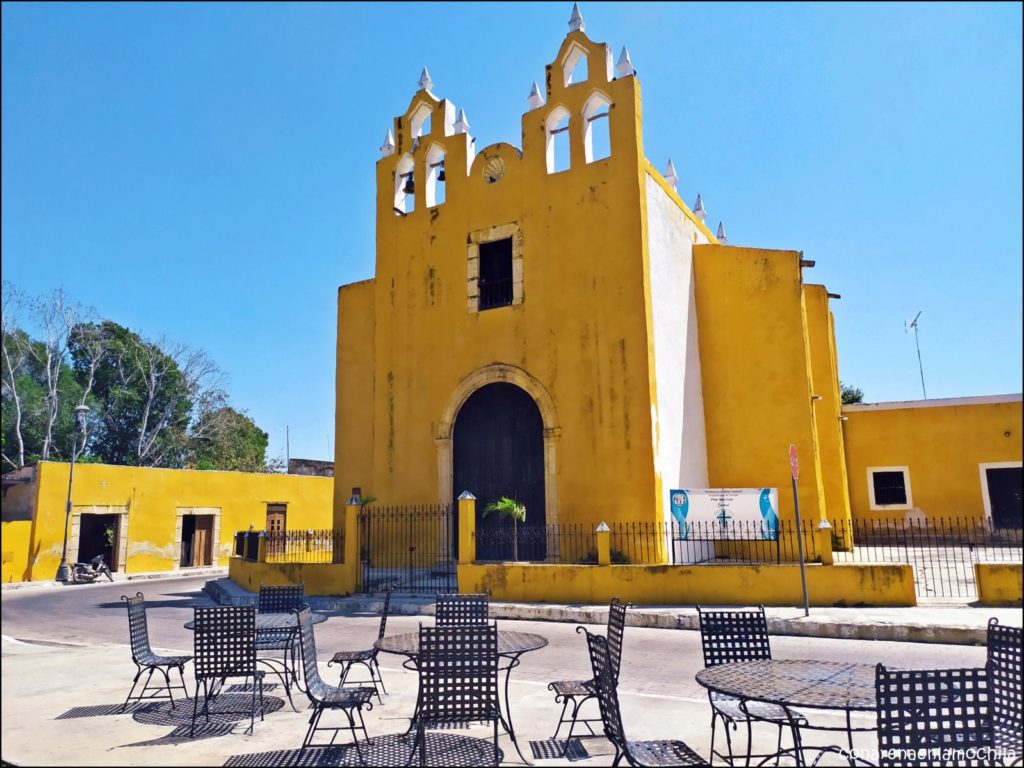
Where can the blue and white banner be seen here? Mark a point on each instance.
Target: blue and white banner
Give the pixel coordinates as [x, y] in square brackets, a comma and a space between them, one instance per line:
[726, 513]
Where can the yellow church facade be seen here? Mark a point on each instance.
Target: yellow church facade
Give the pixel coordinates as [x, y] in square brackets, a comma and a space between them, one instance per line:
[554, 323]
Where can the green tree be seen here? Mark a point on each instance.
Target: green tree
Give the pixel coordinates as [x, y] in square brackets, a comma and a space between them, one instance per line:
[227, 439]
[507, 507]
[850, 394]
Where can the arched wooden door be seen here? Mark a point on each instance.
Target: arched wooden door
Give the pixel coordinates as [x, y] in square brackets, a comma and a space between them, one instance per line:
[499, 451]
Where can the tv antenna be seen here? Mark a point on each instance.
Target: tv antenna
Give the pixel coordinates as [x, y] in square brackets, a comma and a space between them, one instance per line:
[907, 326]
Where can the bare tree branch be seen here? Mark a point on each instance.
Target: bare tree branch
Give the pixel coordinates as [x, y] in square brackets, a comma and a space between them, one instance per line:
[15, 352]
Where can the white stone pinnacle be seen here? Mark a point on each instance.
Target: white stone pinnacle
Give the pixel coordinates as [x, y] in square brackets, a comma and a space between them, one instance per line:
[535, 99]
[670, 174]
[624, 67]
[698, 208]
[461, 123]
[425, 83]
[576, 20]
[721, 234]
[388, 147]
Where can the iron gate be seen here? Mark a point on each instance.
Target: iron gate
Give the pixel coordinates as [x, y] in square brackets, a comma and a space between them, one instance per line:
[408, 549]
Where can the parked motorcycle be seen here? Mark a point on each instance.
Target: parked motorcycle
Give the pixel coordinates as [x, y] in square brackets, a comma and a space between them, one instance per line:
[86, 573]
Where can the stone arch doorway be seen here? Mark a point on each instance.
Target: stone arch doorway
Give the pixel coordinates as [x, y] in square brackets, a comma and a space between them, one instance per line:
[498, 450]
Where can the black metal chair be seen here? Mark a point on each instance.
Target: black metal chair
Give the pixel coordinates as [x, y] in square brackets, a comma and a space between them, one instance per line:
[458, 667]
[577, 692]
[455, 610]
[225, 640]
[652, 753]
[1006, 677]
[145, 659]
[728, 637]
[280, 599]
[367, 657]
[323, 696]
[934, 717]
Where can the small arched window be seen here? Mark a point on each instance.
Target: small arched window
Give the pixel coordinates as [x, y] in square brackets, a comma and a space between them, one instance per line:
[575, 68]
[557, 130]
[435, 186]
[597, 143]
[419, 121]
[405, 186]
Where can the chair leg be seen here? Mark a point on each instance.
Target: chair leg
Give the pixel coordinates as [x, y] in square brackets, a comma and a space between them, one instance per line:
[714, 721]
[778, 746]
[496, 743]
[380, 677]
[355, 740]
[313, 719]
[167, 684]
[261, 701]
[134, 683]
[561, 718]
[252, 709]
[618, 757]
[750, 743]
[184, 685]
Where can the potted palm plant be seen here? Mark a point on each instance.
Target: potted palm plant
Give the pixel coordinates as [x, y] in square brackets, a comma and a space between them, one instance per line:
[507, 507]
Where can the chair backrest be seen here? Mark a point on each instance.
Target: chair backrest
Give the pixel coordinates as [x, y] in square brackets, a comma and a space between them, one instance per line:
[606, 686]
[460, 610]
[281, 599]
[384, 615]
[1006, 675]
[138, 627]
[458, 668]
[731, 636]
[225, 641]
[616, 627]
[933, 716]
[315, 686]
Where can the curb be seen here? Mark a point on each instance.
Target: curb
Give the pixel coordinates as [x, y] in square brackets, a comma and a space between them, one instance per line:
[226, 592]
[118, 578]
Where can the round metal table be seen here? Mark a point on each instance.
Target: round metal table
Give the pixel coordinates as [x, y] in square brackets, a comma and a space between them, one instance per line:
[275, 621]
[511, 645]
[794, 684]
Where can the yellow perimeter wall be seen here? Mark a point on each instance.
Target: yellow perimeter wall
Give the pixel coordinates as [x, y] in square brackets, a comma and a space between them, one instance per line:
[1000, 583]
[679, 584]
[941, 442]
[318, 578]
[152, 500]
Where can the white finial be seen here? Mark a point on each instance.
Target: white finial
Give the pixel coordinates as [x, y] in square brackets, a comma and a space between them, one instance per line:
[698, 208]
[425, 82]
[576, 20]
[388, 147]
[670, 174]
[721, 234]
[535, 99]
[461, 123]
[624, 67]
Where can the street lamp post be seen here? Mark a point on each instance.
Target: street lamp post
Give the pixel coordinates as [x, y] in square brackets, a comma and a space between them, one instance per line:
[63, 572]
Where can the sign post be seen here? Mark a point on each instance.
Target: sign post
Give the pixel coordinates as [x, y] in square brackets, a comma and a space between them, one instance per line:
[794, 471]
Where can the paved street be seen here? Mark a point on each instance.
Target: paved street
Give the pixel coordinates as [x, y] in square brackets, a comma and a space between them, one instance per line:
[659, 696]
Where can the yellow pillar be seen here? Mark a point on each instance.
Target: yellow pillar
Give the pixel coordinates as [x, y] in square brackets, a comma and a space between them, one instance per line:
[603, 534]
[467, 528]
[261, 552]
[824, 542]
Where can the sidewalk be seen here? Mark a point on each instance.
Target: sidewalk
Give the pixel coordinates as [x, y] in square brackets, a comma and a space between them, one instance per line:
[929, 622]
[212, 572]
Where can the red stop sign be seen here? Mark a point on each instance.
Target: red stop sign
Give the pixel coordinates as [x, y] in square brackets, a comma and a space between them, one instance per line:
[794, 465]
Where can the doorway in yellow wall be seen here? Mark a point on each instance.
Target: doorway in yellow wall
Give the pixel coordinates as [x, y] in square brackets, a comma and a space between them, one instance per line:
[499, 451]
[196, 541]
[98, 535]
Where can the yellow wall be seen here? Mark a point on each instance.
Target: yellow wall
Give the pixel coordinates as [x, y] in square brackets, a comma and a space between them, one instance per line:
[152, 498]
[755, 373]
[891, 585]
[318, 578]
[581, 331]
[1000, 583]
[942, 445]
[16, 539]
[828, 408]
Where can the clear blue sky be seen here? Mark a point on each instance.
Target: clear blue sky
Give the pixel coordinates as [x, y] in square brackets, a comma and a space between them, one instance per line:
[207, 171]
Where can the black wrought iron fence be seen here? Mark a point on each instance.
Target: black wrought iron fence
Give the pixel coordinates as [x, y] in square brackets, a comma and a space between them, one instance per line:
[942, 551]
[325, 545]
[410, 548]
[648, 542]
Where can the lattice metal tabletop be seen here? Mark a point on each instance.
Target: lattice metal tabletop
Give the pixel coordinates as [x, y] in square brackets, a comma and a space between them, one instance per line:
[509, 644]
[275, 621]
[796, 683]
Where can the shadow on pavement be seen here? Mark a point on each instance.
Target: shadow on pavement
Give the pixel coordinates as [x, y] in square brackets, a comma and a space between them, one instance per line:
[443, 749]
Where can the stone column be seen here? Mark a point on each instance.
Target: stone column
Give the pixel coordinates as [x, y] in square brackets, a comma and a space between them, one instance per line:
[467, 528]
